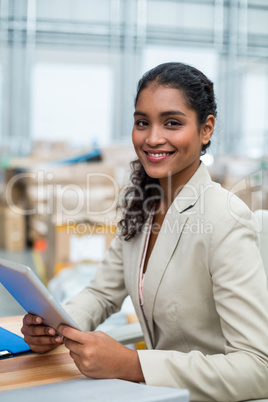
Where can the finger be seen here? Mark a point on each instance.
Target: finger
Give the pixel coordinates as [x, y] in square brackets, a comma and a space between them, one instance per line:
[39, 340]
[73, 346]
[37, 330]
[42, 348]
[31, 319]
[70, 333]
[77, 362]
[77, 359]
[43, 340]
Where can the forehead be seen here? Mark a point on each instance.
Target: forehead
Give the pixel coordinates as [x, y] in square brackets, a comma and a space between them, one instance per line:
[161, 97]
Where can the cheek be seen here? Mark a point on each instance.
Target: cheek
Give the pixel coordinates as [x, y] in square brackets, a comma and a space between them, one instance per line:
[187, 140]
[136, 139]
[181, 142]
[133, 137]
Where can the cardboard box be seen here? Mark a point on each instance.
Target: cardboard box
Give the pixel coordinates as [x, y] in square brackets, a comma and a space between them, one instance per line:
[13, 230]
[78, 240]
[69, 190]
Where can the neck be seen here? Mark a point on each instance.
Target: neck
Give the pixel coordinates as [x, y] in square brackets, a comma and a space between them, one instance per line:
[172, 185]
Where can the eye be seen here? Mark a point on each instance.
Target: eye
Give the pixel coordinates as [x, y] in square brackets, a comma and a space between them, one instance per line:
[141, 123]
[173, 123]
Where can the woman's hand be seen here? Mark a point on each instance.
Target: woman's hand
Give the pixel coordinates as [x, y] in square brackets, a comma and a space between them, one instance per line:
[97, 355]
[39, 337]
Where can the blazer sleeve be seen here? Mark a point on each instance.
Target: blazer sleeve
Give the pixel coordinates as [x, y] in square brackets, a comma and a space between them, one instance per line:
[105, 293]
[241, 300]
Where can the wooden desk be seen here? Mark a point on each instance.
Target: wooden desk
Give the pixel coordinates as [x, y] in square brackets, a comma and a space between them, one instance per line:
[56, 366]
[33, 369]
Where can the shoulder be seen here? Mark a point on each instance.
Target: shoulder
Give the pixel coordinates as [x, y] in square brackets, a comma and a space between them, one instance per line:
[221, 205]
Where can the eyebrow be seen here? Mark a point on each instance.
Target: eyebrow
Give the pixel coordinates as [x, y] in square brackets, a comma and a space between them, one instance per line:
[166, 113]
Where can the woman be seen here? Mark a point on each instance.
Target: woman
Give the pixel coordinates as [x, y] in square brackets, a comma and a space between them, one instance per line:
[187, 254]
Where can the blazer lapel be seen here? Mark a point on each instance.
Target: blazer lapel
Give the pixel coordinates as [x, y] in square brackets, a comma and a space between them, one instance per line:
[137, 248]
[165, 244]
[169, 236]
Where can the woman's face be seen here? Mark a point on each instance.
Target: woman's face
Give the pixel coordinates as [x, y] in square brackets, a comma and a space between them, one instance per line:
[166, 135]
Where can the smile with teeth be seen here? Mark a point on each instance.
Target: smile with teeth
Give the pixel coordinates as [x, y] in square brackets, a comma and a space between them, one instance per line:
[159, 154]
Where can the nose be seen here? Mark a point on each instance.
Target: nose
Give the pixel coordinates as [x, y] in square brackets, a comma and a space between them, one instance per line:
[155, 137]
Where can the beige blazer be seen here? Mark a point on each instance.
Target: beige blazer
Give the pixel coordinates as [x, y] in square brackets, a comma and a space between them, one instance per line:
[205, 296]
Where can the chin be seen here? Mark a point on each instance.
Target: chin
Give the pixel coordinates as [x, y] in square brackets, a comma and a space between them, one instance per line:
[155, 175]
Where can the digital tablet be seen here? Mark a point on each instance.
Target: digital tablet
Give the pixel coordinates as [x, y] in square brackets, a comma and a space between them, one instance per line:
[23, 284]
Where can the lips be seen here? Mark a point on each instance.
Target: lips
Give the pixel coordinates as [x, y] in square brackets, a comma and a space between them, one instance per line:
[159, 153]
[158, 156]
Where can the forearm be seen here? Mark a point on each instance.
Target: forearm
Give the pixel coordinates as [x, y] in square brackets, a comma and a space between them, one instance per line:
[233, 377]
[97, 355]
[86, 311]
[104, 295]
[131, 369]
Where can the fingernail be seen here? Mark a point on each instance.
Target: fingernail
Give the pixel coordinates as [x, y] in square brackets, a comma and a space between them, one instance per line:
[51, 331]
[38, 320]
[59, 339]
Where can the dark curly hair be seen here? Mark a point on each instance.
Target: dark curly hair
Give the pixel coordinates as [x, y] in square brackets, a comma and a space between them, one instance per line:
[143, 195]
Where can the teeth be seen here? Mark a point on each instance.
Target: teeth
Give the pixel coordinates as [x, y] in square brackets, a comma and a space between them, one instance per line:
[163, 154]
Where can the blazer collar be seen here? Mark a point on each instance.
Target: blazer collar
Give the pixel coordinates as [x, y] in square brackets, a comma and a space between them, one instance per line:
[167, 240]
[193, 189]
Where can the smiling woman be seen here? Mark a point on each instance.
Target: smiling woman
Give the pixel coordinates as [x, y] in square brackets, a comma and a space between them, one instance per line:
[174, 119]
[163, 134]
[186, 251]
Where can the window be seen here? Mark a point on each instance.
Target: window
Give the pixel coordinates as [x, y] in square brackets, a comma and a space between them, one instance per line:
[71, 103]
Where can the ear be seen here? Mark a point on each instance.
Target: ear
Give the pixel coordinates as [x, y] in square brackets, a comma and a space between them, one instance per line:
[207, 129]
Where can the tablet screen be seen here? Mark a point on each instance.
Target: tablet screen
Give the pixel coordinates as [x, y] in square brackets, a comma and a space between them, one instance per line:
[24, 285]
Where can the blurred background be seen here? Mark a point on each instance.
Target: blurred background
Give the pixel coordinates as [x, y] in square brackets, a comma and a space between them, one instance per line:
[69, 68]
[68, 76]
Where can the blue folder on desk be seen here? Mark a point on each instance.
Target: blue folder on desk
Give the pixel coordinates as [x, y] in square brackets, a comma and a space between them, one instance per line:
[11, 344]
